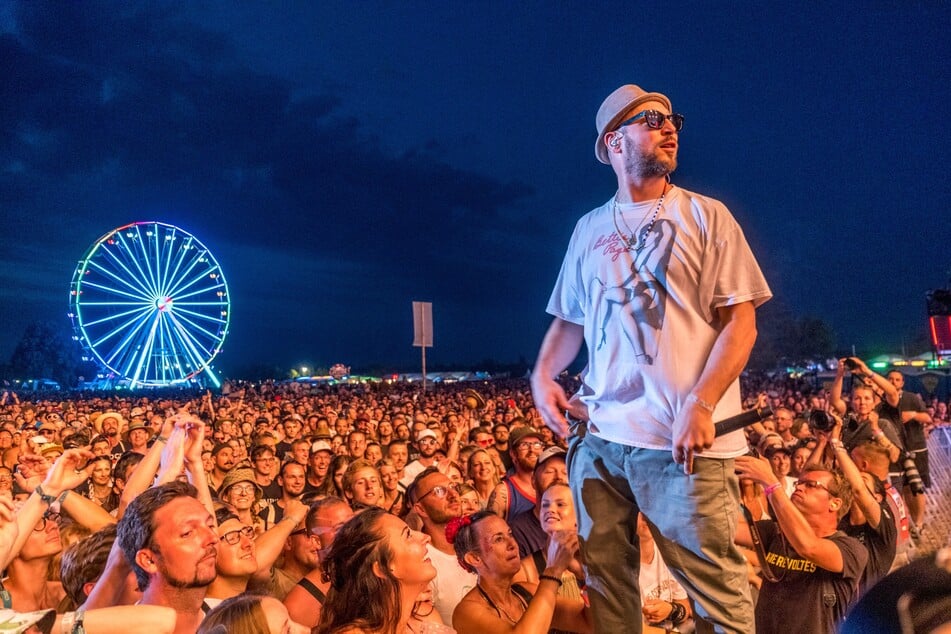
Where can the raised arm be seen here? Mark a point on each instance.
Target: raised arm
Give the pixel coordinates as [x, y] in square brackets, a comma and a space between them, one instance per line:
[143, 475]
[835, 392]
[823, 552]
[889, 392]
[860, 493]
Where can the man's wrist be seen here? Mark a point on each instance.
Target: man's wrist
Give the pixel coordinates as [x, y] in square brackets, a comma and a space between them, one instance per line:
[48, 490]
[693, 398]
[769, 489]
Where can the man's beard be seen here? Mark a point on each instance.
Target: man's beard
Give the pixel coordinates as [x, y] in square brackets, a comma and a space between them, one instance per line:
[184, 584]
[648, 165]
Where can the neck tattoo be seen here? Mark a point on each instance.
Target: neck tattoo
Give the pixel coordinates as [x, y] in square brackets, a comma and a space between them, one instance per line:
[633, 241]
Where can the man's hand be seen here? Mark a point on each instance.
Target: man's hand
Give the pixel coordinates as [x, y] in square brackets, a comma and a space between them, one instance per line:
[296, 510]
[693, 432]
[757, 469]
[67, 473]
[551, 401]
[194, 438]
[656, 610]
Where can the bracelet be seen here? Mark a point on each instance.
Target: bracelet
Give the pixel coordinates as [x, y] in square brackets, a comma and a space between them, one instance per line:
[550, 578]
[768, 491]
[693, 398]
[161, 438]
[66, 625]
[47, 499]
[877, 434]
[678, 613]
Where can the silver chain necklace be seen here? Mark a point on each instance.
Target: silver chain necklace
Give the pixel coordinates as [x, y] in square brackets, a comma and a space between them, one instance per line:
[633, 242]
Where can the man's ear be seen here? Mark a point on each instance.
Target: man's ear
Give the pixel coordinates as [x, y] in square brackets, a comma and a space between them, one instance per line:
[145, 558]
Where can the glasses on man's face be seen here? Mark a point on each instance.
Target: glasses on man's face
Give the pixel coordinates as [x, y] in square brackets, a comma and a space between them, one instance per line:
[441, 491]
[233, 537]
[485, 442]
[814, 484]
[49, 516]
[427, 441]
[528, 445]
[245, 489]
[655, 120]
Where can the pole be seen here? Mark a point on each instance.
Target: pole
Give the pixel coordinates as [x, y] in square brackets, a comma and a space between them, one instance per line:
[424, 368]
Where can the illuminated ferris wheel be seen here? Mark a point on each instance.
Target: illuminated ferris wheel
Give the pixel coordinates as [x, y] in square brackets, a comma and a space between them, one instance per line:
[149, 302]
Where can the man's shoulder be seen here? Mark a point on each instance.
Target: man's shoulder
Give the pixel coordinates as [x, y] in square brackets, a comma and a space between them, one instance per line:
[852, 548]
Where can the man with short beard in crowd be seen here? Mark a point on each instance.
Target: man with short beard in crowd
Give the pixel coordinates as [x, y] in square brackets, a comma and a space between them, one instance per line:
[436, 500]
[516, 492]
[169, 539]
[526, 526]
[109, 425]
[223, 455]
[292, 480]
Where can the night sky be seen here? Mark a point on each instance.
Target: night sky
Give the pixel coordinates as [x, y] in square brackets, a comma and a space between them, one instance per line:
[342, 159]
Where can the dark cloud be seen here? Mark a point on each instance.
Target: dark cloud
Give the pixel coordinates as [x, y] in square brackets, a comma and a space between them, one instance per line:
[133, 107]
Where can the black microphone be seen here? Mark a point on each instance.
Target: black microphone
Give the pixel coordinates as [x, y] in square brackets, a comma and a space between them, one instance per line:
[743, 419]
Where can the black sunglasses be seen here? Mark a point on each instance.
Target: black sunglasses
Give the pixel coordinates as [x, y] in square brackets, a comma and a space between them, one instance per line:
[655, 120]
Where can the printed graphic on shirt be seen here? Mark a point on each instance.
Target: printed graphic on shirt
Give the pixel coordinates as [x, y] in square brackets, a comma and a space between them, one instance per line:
[635, 307]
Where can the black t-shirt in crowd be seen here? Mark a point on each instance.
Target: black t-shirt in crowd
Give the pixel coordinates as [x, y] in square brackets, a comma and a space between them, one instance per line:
[880, 542]
[806, 598]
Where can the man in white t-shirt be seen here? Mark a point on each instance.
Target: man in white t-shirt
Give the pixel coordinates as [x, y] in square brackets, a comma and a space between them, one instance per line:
[661, 286]
[435, 498]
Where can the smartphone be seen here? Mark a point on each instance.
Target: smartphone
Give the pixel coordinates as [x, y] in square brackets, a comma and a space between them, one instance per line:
[39, 440]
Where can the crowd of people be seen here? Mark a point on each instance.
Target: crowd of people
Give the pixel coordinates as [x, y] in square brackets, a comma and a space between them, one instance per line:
[378, 508]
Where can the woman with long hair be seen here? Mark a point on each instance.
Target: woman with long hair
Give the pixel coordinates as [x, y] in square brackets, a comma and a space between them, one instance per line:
[483, 475]
[377, 568]
[392, 500]
[497, 605]
[338, 467]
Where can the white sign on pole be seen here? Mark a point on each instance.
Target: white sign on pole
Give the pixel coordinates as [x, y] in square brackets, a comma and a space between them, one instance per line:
[423, 324]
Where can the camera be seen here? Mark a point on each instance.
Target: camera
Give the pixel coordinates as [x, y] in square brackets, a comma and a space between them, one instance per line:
[850, 363]
[821, 421]
[912, 477]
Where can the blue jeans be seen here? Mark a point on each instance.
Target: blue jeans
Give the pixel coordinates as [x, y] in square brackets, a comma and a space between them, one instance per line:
[693, 520]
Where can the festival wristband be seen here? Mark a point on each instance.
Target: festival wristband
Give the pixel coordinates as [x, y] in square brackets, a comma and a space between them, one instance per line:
[550, 578]
[768, 491]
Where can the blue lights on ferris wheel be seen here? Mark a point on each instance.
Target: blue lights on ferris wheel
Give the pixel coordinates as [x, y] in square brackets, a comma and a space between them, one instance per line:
[149, 302]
